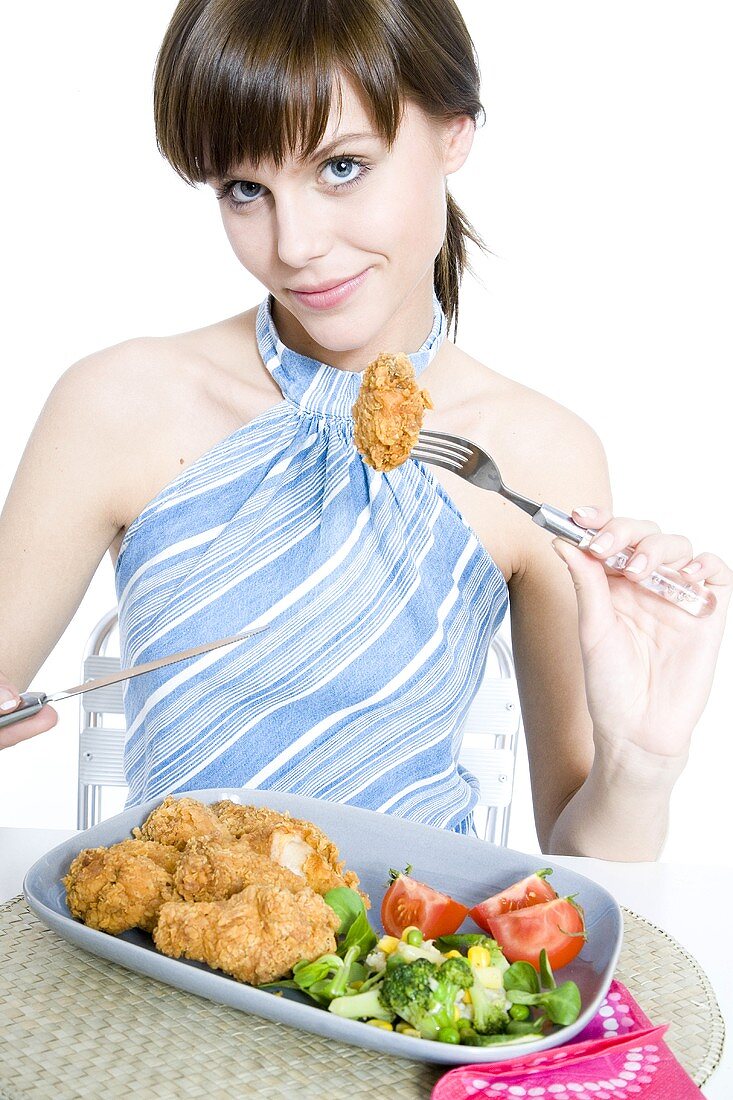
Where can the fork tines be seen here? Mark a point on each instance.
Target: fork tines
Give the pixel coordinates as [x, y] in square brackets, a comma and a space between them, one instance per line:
[450, 451]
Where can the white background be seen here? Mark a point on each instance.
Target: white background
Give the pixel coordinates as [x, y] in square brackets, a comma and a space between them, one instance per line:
[601, 181]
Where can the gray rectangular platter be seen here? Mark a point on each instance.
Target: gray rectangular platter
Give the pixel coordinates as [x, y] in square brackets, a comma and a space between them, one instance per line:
[464, 867]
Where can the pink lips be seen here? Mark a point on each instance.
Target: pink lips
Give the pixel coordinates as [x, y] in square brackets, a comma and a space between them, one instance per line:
[334, 295]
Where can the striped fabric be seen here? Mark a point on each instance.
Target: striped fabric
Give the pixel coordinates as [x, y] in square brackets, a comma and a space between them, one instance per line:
[379, 602]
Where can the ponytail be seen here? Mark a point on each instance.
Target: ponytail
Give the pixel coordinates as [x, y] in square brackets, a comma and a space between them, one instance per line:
[452, 260]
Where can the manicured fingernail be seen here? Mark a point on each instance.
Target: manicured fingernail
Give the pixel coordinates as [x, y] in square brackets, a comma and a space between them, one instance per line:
[585, 513]
[637, 564]
[602, 543]
[7, 701]
[692, 567]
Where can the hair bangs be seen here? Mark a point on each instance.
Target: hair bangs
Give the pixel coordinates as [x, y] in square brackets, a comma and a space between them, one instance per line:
[244, 81]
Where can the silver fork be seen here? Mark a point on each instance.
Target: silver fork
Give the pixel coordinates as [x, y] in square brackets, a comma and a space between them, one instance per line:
[468, 460]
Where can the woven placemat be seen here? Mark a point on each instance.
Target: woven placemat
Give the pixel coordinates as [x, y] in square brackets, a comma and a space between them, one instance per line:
[76, 1026]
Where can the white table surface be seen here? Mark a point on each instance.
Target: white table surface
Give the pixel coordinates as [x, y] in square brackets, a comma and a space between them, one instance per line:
[691, 903]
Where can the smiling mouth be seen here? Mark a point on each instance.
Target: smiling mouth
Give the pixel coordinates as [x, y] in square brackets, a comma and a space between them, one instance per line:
[326, 286]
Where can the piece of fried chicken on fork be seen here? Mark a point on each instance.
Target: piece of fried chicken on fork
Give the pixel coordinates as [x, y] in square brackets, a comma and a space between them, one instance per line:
[298, 845]
[211, 870]
[256, 936]
[113, 889]
[177, 820]
[388, 411]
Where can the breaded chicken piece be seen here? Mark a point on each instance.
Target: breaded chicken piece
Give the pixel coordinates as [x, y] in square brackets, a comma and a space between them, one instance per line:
[388, 411]
[298, 845]
[256, 936]
[176, 820]
[211, 870]
[113, 889]
[304, 849]
[243, 820]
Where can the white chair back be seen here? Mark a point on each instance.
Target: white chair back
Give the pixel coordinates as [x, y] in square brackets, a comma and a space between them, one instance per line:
[488, 749]
[490, 742]
[101, 738]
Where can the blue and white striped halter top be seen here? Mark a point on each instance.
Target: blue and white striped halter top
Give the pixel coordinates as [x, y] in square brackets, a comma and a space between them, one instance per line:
[378, 600]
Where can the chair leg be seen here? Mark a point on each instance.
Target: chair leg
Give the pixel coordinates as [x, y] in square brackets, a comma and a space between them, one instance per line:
[94, 807]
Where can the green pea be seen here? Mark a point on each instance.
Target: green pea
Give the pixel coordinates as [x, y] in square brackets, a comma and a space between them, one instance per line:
[448, 1034]
[519, 1012]
[414, 937]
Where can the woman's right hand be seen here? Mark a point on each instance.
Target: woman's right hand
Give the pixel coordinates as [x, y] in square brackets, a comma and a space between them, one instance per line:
[25, 727]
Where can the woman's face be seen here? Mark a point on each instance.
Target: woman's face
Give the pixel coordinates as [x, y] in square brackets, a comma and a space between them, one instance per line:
[358, 217]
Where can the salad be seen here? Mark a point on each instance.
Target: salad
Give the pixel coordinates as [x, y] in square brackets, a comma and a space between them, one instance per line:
[426, 980]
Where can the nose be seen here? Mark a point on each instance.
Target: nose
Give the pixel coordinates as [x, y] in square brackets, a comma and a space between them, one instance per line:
[303, 229]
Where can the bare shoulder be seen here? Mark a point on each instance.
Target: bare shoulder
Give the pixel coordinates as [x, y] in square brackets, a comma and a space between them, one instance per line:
[145, 408]
[147, 375]
[543, 449]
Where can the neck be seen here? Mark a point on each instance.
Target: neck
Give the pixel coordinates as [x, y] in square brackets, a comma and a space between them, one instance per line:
[404, 331]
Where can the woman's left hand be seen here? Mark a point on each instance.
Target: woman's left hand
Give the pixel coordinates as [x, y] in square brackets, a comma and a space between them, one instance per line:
[648, 664]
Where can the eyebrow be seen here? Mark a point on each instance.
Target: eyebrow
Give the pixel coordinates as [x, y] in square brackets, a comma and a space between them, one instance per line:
[341, 139]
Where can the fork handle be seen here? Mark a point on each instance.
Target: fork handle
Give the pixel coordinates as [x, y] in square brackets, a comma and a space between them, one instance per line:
[667, 583]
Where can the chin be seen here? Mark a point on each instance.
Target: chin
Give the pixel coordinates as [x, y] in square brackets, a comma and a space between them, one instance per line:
[347, 329]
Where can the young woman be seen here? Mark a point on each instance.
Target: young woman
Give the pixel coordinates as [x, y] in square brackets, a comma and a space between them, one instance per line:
[329, 140]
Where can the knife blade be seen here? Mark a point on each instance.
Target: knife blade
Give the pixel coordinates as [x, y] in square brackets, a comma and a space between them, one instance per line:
[32, 701]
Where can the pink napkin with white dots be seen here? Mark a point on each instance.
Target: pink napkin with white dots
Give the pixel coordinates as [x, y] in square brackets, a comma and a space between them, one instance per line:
[620, 1055]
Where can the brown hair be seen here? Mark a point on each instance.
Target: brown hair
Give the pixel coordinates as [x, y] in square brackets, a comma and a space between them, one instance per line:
[252, 79]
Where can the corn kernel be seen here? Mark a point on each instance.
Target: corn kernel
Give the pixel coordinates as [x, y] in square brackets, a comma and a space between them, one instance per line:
[456, 1013]
[388, 944]
[479, 956]
[405, 1029]
[384, 1024]
[453, 954]
[467, 996]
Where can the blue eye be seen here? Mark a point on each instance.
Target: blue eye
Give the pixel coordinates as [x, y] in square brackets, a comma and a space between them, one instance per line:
[343, 169]
[347, 172]
[244, 192]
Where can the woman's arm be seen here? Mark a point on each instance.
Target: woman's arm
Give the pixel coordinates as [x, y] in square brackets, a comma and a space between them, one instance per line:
[60, 516]
[612, 679]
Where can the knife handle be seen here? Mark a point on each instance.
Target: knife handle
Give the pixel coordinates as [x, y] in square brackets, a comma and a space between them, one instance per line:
[30, 703]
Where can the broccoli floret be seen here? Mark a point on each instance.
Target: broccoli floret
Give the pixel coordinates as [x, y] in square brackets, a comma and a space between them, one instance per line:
[361, 1006]
[490, 1016]
[407, 990]
[453, 975]
[424, 994]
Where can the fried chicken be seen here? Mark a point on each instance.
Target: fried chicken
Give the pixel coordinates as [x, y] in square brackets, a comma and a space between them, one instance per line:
[298, 845]
[113, 889]
[176, 820]
[211, 870]
[388, 411]
[237, 887]
[243, 820]
[256, 936]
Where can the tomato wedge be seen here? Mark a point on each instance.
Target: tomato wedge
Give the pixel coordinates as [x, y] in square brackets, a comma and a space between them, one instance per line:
[532, 890]
[409, 902]
[557, 925]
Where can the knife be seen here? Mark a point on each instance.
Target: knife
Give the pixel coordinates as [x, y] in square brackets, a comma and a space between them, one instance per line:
[32, 701]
